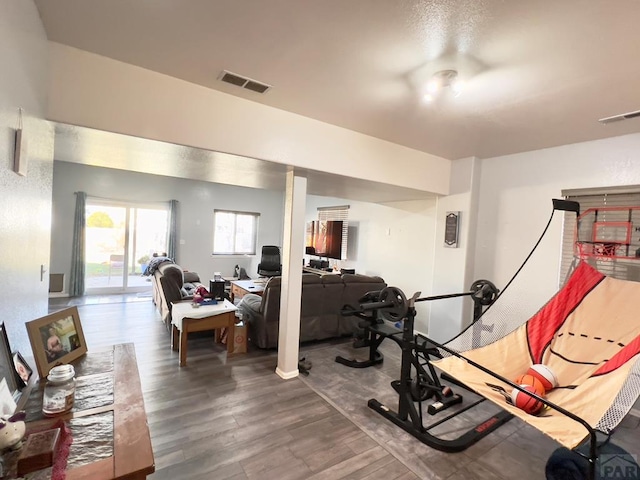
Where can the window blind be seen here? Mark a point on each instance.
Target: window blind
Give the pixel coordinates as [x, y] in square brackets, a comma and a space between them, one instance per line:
[627, 269]
[338, 213]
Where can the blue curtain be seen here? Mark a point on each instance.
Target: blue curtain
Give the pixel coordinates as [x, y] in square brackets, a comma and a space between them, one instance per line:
[76, 280]
[173, 230]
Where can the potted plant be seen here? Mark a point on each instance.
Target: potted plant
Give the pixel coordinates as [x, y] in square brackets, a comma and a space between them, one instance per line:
[144, 262]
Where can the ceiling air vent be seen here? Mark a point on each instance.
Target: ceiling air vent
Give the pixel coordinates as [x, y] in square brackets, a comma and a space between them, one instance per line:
[617, 118]
[243, 82]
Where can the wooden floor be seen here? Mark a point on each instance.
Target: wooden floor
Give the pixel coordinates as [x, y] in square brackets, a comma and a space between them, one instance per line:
[222, 418]
[233, 419]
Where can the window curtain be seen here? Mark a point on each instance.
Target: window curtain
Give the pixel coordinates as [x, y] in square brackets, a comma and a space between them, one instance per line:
[76, 278]
[173, 230]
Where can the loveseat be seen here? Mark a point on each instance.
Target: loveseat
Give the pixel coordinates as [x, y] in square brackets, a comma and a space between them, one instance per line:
[172, 284]
[322, 299]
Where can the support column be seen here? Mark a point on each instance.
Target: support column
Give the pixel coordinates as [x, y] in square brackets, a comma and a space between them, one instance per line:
[453, 267]
[291, 289]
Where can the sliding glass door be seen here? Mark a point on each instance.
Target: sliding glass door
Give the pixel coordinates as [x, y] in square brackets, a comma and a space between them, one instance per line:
[120, 241]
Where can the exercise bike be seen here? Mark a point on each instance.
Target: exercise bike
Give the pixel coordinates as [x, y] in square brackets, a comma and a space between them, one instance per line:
[417, 351]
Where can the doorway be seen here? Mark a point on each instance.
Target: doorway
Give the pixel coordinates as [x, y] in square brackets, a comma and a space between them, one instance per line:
[121, 238]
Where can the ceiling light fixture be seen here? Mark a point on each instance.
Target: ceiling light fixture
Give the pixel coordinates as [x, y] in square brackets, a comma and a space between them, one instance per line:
[439, 81]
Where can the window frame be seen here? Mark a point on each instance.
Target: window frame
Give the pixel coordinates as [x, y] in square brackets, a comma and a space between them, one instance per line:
[236, 213]
[623, 196]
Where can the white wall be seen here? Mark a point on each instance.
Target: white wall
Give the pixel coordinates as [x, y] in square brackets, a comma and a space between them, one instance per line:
[98, 92]
[453, 267]
[25, 202]
[394, 241]
[515, 205]
[197, 200]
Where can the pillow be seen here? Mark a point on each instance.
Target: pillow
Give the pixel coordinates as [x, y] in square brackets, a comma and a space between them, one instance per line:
[191, 277]
[188, 288]
[250, 302]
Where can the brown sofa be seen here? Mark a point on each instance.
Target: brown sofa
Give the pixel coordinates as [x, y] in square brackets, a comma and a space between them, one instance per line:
[322, 299]
[172, 284]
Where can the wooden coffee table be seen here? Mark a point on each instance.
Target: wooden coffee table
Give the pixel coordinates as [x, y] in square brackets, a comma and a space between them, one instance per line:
[186, 319]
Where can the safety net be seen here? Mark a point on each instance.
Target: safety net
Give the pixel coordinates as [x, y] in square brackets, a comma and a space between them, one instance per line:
[588, 334]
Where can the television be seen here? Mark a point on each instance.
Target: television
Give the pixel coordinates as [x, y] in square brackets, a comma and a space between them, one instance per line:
[325, 237]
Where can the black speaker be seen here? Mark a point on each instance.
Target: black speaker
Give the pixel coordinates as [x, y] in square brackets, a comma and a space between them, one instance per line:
[216, 289]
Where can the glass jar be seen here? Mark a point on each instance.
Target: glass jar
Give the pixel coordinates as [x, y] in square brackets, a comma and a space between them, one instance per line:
[59, 392]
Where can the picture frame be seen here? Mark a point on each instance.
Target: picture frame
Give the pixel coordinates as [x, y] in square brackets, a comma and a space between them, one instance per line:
[22, 368]
[7, 370]
[56, 339]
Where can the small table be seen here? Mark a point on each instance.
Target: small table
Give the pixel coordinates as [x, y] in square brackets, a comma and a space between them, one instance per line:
[240, 288]
[186, 319]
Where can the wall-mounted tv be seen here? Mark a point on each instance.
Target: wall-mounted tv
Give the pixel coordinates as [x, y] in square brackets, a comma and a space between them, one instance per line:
[325, 236]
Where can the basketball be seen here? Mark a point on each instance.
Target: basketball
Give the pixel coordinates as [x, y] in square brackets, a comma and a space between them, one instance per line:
[533, 381]
[545, 375]
[526, 402]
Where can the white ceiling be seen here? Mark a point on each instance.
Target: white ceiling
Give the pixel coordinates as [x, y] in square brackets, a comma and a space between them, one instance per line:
[539, 73]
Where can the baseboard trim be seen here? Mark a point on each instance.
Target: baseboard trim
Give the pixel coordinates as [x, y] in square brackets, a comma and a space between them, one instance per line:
[58, 294]
[287, 375]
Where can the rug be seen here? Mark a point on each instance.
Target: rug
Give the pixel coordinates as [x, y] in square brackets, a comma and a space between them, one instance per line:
[515, 450]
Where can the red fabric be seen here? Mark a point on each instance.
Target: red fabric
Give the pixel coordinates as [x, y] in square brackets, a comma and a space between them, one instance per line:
[544, 324]
[620, 358]
[58, 471]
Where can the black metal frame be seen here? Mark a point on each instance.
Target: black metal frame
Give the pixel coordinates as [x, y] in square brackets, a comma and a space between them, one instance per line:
[414, 347]
[410, 418]
[592, 458]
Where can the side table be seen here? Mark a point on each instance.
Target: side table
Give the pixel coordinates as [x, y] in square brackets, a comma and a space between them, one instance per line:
[186, 319]
[240, 288]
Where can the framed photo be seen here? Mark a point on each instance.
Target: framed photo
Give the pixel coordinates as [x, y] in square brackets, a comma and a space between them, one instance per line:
[23, 370]
[6, 362]
[56, 339]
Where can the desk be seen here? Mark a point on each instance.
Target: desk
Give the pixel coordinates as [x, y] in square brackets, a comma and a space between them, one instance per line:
[319, 271]
[108, 422]
[240, 288]
[186, 319]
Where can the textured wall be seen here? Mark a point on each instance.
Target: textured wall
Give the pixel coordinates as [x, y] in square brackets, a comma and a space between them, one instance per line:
[25, 202]
[98, 92]
[196, 202]
[394, 241]
[515, 204]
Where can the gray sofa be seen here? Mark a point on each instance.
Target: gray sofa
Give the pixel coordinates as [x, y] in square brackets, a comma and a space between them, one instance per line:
[322, 299]
[172, 284]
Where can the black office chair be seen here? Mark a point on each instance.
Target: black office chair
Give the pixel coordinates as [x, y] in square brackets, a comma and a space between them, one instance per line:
[270, 264]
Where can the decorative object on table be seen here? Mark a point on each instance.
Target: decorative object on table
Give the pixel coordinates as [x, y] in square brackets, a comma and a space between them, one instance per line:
[22, 369]
[7, 370]
[12, 430]
[7, 401]
[60, 390]
[56, 339]
[199, 294]
[39, 451]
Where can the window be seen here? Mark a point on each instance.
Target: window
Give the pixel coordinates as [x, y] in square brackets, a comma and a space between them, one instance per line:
[234, 233]
[609, 233]
[338, 213]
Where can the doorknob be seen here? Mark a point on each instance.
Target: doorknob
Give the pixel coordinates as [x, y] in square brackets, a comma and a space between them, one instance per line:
[42, 272]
